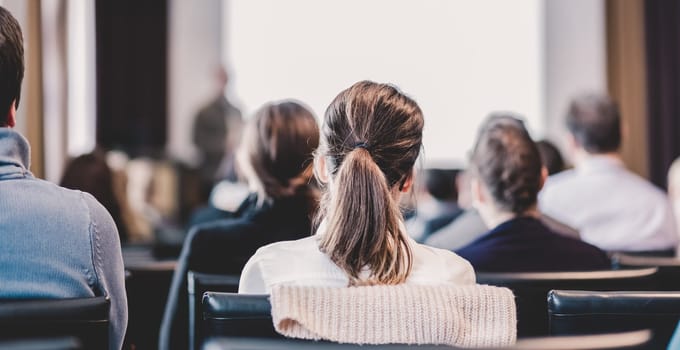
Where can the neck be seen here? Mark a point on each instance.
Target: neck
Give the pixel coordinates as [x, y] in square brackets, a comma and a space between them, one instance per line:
[495, 216]
[581, 155]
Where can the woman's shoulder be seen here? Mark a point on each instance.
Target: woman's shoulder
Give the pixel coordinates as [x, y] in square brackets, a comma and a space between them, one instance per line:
[294, 248]
[431, 260]
[423, 251]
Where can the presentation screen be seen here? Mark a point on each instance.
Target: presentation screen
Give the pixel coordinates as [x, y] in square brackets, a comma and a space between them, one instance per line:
[458, 59]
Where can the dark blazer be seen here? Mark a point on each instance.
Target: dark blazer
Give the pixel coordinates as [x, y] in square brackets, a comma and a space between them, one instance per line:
[525, 244]
[224, 247]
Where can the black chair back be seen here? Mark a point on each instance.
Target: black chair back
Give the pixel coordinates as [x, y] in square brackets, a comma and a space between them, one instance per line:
[629, 340]
[588, 312]
[147, 289]
[86, 319]
[669, 268]
[531, 290]
[197, 285]
[65, 343]
[237, 315]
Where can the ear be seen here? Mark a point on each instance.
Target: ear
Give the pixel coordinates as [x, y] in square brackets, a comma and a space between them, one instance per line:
[571, 141]
[408, 182]
[476, 192]
[11, 115]
[544, 177]
[320, 169]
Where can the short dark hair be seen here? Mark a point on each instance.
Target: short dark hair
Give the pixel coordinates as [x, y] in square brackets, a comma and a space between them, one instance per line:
[550, 156]
[441, 183]
[506, 160]
[595, 123]
[11, 63]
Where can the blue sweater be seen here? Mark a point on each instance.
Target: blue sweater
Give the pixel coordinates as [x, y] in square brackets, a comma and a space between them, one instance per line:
[56, 243]
[524, 244]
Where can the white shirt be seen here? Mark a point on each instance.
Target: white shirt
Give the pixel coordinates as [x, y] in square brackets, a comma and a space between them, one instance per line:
[301, 262]
[611, 207]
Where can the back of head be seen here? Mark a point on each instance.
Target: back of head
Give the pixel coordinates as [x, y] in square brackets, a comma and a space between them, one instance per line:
[507, 162]
[11, 63]
[595, 123]
[372, 136]
[90, 173]
[276, 150]
[550, 156]
[441, 184]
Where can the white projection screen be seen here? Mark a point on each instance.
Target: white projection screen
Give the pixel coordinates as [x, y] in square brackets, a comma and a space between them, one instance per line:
[459, 59]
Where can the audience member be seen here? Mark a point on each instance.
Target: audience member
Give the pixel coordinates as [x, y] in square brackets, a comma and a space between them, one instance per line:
[507, 175]
[551, 157]
[56, 243]
[275, 157]
[611, 207]
[438, 206]
[371, 138]
[674, 194]
[469, 225]
[90, 173]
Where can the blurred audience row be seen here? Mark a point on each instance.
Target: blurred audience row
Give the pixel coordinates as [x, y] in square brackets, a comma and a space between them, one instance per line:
[322, 205]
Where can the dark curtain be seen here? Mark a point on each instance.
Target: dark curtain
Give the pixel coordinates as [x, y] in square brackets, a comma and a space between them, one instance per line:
[131, 75]
[662, 35]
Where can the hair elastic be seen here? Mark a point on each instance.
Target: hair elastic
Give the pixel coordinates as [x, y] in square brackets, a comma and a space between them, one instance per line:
[363, 145]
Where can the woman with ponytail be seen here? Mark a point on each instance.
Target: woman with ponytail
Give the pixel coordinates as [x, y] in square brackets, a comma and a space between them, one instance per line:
[275, 158]
[370, 140]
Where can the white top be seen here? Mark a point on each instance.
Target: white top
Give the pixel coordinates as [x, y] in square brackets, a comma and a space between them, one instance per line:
[301, 262]
[611, 207]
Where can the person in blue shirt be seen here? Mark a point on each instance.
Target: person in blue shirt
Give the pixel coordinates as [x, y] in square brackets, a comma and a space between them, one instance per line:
[54, 243]
[507, 175]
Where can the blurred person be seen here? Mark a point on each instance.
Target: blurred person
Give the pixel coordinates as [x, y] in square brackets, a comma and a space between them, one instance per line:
[371, 138]
[674, 194]
[275, 158]
[469, 225]
[90, 173]
[507, 175]
[551, 157]
[216, 133]
[438, 206]
[56, 243]
[612, 208]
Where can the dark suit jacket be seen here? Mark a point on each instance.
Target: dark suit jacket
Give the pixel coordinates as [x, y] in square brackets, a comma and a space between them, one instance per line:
[525, 244]
[224, 247]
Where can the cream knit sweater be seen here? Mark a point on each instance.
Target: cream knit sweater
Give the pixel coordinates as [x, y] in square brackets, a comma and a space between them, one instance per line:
[465, 316]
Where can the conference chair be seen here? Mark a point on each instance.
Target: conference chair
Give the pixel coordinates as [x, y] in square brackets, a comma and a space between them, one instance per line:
[86, 319]
[531, 290]
[236, 315]
[589, 312]
[62, 343]
[147, 286]
[628, 340]
[197, 284]
[668, 276]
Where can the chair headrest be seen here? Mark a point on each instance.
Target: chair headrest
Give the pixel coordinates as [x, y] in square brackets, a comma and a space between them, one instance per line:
[614, 303]
[87, 309]
[235, 306]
